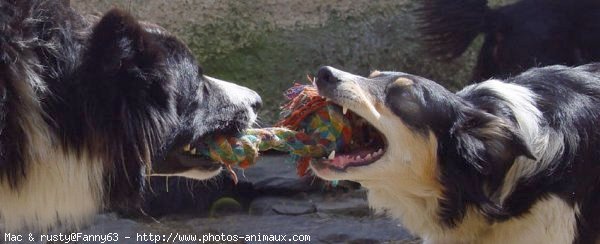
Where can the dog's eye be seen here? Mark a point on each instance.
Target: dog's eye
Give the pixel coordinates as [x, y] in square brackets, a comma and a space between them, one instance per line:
[401, 92]
[406, 93]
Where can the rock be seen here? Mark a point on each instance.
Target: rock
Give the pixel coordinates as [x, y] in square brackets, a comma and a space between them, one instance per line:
[335, 238]
[276, 175]
[225, 206]
[110, 223]
[294, 209]
[344, 205]
[263, 205]
[282, 186]
[318, 228]
[364, 241]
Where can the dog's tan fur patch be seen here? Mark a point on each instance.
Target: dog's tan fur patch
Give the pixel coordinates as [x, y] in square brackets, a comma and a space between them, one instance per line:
[403, 82]
[375, 73]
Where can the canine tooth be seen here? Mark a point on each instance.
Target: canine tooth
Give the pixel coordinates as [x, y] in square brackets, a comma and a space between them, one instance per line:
[332, 155]
[379, 151]
[193, 151]
[186, 147]
[344, 110]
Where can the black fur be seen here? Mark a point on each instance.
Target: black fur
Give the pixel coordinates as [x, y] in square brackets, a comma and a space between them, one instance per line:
[518, 36]
[473, 143]
[569, 99]
[122, 91]
[482, 131]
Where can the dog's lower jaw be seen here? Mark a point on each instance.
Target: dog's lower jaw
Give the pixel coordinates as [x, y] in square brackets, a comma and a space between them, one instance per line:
[194, 174]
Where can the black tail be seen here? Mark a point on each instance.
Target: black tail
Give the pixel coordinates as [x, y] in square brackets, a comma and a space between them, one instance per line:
[449, 26]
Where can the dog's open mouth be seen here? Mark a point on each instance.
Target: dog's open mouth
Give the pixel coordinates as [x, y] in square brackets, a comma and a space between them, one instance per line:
[191, 155]
[367, 145]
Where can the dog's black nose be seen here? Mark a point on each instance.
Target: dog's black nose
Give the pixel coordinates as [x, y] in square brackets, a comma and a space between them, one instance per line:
[325, 75]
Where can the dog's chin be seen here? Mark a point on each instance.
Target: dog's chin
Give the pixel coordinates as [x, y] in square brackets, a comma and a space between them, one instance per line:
[327, 172]
[195, 174]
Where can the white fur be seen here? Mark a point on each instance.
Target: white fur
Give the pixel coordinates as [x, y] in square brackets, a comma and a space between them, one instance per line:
[195, 174]
[238, 96]
[544, 143]
[550, 220]
[58, 187]
[404, 182]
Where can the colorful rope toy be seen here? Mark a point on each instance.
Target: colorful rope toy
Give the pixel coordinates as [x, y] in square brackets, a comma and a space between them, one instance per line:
[310, 128]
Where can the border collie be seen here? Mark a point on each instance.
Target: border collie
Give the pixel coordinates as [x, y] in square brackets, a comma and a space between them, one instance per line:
[502, 161]
[90, 106]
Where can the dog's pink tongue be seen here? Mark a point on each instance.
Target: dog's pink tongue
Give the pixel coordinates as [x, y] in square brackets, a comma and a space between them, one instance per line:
[341, 161]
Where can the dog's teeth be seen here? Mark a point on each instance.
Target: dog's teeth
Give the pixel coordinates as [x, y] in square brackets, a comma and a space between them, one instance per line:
[332, 155]
[193, 151]
[368, 156]
[327, 100]
[379, 151]
[344, 110]
[187, 147]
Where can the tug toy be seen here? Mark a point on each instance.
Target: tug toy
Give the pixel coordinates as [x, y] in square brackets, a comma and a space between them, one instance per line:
[310, 128]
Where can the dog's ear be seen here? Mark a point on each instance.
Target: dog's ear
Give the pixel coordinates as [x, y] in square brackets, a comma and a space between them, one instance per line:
[487, 142]
[125, 98]
[123, 62]
[119, 42]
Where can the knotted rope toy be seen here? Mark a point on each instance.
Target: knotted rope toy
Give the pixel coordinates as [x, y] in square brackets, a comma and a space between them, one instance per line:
[310, 128]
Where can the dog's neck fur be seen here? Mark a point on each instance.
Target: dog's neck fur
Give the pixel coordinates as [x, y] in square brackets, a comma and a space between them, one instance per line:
[410, 191]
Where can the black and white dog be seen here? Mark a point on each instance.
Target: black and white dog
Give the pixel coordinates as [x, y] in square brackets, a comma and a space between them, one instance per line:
[89, 106]
[503, 161]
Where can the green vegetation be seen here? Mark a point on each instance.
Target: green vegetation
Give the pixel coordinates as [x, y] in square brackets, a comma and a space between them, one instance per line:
[269, 59]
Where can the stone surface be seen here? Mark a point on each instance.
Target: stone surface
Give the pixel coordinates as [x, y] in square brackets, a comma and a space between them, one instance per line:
[294, 209]
[326, 214]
